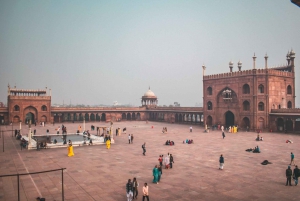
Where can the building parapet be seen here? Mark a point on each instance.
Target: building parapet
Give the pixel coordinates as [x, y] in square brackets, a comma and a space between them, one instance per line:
[250, 72]
[200, 109]
[286, 110]
[3, 109]
[96, 109]
[12, 97]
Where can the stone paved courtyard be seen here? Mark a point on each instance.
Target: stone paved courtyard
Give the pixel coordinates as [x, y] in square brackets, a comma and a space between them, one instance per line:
[95, 173]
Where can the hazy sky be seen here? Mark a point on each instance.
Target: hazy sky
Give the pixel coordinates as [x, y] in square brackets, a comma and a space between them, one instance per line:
[95, 52]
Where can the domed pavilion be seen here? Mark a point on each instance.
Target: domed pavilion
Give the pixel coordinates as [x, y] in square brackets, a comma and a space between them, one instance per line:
[149, 98]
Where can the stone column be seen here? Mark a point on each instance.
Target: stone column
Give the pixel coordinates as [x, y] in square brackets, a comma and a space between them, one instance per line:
[29, 139]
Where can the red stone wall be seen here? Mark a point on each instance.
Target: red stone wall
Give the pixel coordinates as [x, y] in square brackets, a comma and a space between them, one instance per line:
[29, 104]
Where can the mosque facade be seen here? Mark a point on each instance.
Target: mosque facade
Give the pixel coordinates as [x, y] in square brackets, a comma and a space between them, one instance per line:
[258, 99]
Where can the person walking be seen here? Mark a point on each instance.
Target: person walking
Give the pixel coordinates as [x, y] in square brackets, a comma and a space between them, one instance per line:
[135, 188]
[159, 172]
[160, 160]
[167, 162]
[155, 174]
[129, 189]
[145, 192]
[221, 160]
[129, 138]
[288, 174]
[107, 144]
[144, 148]
[171, 161]
[191, 129]
[223, 134]
[296, 175]
[70, 150]
[292, 158]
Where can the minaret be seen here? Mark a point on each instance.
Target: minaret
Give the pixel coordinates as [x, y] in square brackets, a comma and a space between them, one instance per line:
[240, 65]
[288, 58]
[292, 57]
[254, 57]
[231, 66]
[8, 89]
[266, 61]
[203, 69]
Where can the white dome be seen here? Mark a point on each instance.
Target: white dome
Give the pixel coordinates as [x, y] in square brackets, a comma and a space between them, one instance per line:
[149, 93]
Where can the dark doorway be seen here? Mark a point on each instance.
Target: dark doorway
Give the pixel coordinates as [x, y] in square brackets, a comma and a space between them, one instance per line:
[280, 124]
[1, 119]
[289, 125]
[229, 119]
[246, 122]
[103, 117]
[29, 118]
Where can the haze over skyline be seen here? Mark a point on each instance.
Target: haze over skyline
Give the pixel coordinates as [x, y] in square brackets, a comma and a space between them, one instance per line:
[98, 52]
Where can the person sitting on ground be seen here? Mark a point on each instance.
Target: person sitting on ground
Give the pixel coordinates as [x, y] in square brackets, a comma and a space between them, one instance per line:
[249, 150]
[257, 138]
[172, 143]
[55, 141]
[167, 142]
[183, 142]
[187, 141]
[256, 150]
[192, 141]
[289, 141]
[261, 139]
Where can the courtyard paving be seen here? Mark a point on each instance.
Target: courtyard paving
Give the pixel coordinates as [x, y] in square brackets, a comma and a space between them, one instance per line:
[95, 173]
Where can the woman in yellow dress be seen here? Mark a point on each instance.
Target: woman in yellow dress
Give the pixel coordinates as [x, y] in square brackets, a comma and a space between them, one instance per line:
[70, 150]
[108, 144]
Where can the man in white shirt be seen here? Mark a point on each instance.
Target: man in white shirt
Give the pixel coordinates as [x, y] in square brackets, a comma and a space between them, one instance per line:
[129, 138]
[145, 192]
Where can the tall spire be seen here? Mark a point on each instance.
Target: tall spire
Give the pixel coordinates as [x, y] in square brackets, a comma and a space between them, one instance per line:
[254, 57]
[266, 61]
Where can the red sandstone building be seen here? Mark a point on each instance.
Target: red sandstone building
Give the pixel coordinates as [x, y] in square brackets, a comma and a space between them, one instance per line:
[29, 106]
[257, 98]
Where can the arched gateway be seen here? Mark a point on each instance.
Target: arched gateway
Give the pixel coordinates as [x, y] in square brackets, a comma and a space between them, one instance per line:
[229, 119]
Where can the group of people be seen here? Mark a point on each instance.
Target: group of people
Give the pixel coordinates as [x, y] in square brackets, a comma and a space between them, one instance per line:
[168, 142]
[254, 150]
[259, 138]
[233, 129]
[164, 130]
[187, 141]
[166, 161]
[289, 173]
[132, 190]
